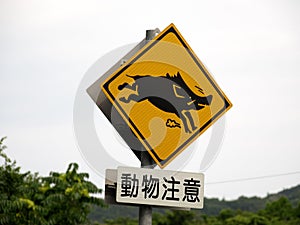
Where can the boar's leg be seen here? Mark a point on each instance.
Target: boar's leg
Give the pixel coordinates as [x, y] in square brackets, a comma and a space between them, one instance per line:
[132, 97]
[184, 121]
[189, 116]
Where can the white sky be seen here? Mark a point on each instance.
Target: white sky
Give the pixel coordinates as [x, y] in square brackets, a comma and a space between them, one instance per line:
[251, 48]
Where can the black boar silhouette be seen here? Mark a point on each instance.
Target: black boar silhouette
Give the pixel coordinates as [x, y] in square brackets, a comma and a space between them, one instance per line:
[169, 94]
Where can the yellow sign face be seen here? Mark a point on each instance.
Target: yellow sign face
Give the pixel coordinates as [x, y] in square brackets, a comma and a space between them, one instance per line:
[166, 96]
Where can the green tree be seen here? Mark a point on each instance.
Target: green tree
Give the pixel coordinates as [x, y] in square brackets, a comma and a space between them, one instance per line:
[258, 220]
[121, 221]
[297, 211]
[175, 218]
[278, 210]
[13, 204]
[226, 214]
[60, 198]
[159, 219]
[69, 195]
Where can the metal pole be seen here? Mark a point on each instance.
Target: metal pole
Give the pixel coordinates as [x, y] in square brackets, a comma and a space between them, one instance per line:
[150, 34]
[145, 211]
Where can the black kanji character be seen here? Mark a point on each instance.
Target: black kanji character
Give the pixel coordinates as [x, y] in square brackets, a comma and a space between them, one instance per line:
[171, 189]
[191, 190]
[129, 185]
[150, 186]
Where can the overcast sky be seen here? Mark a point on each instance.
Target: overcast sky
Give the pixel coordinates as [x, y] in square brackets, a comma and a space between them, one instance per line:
[251, 48]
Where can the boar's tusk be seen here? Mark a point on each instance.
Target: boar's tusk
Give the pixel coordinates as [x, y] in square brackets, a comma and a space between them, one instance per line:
[191, 102]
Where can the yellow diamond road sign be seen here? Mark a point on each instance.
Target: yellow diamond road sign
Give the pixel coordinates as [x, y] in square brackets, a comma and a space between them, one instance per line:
[166, 96]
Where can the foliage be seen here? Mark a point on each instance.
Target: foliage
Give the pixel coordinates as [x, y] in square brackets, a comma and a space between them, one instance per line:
[276, 212]
[60, 198]
[121, 220]
[174, 218]
[255, 210]
[280, 209]
[112, 212]
[279, 212]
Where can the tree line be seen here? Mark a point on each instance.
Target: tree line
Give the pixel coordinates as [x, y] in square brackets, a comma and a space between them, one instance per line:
[279, 212]
[69, 198]
[29, 199]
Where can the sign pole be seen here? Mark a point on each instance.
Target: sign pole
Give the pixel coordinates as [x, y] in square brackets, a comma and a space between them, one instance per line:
[145, 211]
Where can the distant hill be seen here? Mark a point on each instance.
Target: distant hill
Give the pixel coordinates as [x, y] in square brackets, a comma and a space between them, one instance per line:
[212, 206]
[293, 194]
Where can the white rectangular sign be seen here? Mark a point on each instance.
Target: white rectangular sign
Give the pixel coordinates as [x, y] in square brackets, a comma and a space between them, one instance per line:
[160, 187]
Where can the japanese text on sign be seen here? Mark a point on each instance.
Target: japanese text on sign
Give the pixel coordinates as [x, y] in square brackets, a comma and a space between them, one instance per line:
[156, 187]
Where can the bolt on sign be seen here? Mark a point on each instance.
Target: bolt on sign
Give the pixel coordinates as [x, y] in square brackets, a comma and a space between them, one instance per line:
[160, 187]
[165, 95]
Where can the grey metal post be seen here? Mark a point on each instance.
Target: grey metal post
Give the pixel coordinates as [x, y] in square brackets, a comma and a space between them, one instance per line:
[150, 34]
[145, 211]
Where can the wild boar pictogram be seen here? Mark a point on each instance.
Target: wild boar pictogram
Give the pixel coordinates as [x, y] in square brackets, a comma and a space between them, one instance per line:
[169, 94]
